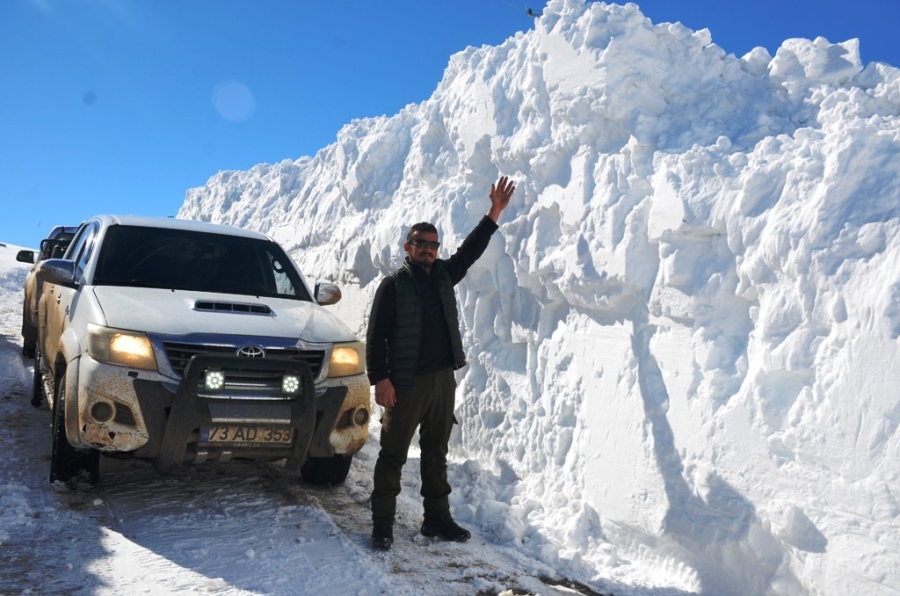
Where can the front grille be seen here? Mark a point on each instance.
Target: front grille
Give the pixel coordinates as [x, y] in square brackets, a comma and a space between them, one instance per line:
[247, 384]
[180, 354]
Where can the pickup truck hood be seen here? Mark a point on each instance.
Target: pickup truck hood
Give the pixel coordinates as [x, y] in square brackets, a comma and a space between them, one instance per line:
[172, 312]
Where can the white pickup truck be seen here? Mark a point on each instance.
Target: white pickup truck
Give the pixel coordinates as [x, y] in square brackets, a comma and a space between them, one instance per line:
[183, 342]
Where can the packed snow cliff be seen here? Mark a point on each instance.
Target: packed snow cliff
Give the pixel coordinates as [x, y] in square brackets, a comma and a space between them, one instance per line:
[685, 337]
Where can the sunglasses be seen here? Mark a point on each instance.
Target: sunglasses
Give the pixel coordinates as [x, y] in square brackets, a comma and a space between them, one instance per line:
[423, 244]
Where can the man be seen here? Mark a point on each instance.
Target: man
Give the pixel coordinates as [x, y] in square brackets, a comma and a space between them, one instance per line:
[413, 345]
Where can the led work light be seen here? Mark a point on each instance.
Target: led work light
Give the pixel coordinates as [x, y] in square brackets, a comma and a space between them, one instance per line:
[290, 384]
[214, 380]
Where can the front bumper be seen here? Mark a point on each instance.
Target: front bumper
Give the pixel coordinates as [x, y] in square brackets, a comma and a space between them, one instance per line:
[151, 421]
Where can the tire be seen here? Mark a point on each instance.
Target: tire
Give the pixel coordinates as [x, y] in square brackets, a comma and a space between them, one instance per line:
[29, 335]
[326, 471]
[77, 469]
[37, 385]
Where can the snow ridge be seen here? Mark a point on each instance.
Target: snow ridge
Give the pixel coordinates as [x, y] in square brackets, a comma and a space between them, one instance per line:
[684, 339]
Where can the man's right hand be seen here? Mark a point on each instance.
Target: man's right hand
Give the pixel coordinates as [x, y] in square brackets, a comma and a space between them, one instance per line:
[501, 193]
[384, 394]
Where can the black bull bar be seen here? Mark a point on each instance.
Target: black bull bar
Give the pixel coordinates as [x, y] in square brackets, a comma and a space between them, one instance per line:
[312, 417]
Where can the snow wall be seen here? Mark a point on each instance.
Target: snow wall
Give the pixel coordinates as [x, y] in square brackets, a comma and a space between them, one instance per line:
[684, 337]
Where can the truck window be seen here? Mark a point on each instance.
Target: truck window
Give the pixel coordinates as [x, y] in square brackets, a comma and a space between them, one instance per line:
[81, 253]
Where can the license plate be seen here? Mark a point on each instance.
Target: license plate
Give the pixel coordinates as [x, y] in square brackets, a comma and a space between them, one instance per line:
[246, 435]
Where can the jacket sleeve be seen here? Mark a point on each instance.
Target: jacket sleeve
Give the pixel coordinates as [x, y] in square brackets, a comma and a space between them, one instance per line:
[381, 322]
[471, 249]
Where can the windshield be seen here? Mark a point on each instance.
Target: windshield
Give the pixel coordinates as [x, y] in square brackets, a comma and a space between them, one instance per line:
[197, 261]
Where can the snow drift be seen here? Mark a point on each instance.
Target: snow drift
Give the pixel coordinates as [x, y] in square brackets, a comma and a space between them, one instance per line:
[685, 338]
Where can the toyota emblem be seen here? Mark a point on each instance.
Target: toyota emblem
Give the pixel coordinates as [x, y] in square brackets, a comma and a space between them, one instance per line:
[251, 352]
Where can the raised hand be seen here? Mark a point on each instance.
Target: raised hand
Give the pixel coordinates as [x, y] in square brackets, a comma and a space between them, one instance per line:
[501, 193]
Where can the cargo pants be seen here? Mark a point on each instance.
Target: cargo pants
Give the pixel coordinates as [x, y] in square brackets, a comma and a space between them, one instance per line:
[427, 406]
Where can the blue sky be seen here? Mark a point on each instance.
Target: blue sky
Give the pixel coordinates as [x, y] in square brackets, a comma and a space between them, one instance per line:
[120, 106]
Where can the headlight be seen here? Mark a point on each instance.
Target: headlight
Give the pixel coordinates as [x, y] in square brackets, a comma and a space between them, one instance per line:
[347, 360]
[117, 346]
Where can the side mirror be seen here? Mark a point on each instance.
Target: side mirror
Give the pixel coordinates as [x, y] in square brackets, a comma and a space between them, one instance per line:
[57, 271]
[25, 256]
[46, 246]
[327, 293]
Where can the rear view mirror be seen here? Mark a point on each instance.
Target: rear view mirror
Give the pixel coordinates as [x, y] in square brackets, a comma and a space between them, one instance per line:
[57, 271]
[327, 294]
[25, 256]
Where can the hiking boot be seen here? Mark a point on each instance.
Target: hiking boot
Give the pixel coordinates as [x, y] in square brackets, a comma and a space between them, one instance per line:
[445, 529]
[382, 536]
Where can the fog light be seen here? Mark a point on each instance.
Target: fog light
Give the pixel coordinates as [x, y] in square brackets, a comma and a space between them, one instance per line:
[290, 384]
[214, 380]
[360, 416]
[102, 411]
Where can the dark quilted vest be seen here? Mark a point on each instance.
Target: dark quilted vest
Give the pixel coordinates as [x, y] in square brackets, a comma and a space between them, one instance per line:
[404, 344]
